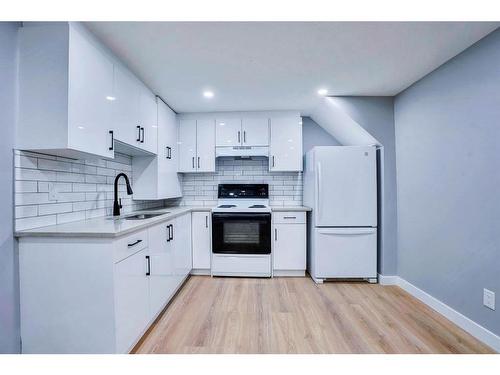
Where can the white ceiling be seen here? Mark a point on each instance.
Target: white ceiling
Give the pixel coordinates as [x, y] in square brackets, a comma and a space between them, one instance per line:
[281, 65]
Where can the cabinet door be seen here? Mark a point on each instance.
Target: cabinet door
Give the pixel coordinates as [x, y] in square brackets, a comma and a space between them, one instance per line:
[182, 246]
[285, 152]
[126, 115]
[90, 90]
[289, 250]
[162, 281]
[187, 146]
[148, 120]
[202, 240]
[228, 132]
[205, 144]
[168, 179]
[131, 300]
[255, 131]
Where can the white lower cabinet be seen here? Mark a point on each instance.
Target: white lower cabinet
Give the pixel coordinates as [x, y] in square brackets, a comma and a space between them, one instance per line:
[289, 243]
[99, 295]
[131, 299]
[202, 242]
[162, 280]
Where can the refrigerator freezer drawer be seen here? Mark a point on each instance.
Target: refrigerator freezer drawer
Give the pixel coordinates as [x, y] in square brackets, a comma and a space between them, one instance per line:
[345, 252]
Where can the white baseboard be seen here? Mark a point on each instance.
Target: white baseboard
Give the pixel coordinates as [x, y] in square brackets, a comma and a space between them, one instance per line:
[468, 325]
[388, 279]
[200, 272]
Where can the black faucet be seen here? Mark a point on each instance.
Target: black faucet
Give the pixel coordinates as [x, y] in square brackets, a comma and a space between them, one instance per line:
[118, 204]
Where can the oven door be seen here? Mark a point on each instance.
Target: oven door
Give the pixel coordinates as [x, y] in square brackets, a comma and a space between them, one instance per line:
[241, 233]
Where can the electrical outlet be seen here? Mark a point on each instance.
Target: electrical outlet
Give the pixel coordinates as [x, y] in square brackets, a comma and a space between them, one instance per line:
[489, 299]
[53, 192]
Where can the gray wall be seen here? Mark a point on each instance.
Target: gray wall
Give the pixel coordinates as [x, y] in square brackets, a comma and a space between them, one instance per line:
[376, 115]
[448, 165]
[315, 135]
[9, 289]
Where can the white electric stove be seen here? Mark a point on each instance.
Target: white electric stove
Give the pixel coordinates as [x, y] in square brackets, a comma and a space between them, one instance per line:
[241, 231]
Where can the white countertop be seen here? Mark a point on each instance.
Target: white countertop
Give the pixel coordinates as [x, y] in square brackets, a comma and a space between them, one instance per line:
[109, 227]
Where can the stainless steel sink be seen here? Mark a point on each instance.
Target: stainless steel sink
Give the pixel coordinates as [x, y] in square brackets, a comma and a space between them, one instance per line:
[143, 216]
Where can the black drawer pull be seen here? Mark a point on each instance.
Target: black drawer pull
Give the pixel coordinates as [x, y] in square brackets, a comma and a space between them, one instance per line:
[138, 133]
[289, 217]
[135, 243]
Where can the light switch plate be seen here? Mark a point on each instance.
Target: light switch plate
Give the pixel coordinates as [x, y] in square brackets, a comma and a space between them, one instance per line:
[489, 299]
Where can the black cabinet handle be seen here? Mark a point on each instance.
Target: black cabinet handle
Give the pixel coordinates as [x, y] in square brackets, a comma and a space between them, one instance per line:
[198, 162]
[138, 133]
[148, 259]
[273, 161]
[193, 161]
[206, 221]
[169, 152]
[168, 233]
[134, 243]
[112, 140]
[142, 130]
[239, 140]
[289, 217]
[172, 226]
[275, 234]
[244, 136]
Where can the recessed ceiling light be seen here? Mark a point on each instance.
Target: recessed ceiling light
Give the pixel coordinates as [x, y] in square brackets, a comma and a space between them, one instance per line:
[208, 94]
[110, 98]
[322, 92]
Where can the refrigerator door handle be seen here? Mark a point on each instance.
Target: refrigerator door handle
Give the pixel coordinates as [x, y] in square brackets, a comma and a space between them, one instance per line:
[318, 192]
[347, 231]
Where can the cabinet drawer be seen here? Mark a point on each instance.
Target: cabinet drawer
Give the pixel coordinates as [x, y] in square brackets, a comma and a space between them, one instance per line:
[291, 217]
[130, 244]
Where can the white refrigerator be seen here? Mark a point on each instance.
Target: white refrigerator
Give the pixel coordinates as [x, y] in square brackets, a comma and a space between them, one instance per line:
[340, 185]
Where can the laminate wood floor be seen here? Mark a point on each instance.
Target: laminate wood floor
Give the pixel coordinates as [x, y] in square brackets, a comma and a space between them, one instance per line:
[294, 315]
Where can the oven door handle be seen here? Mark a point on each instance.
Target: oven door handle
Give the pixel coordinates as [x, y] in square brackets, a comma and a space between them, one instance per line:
[250, 216]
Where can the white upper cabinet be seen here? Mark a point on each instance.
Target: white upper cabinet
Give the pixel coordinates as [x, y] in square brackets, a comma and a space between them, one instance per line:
[155, 177]
[126, 113]
[196, 145]
[285, 153]
[187, 145]
[89, 96]
[75, 98]
[65, 92]
[205, 145]
[148, 120]
[228, 132]
[255, 131]
[247, 130]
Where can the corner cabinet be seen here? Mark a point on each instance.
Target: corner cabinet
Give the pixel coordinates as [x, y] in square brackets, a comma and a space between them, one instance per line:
[155, 177]
[285, 151]
[99, 295]
[65, 87]
[196, 145]
[75, 98]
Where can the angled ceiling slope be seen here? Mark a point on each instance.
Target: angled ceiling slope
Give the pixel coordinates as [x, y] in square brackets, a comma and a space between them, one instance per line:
[281, 65]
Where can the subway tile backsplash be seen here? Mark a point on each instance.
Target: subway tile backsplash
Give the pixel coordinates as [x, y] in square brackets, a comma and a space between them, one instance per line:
[285, 188]
[84, 189]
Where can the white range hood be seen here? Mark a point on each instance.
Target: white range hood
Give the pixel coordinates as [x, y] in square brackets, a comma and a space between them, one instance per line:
[242, 151]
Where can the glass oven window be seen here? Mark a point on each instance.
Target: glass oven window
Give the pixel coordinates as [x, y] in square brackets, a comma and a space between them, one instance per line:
[241, 233]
